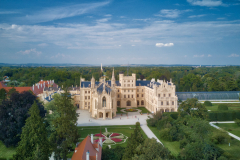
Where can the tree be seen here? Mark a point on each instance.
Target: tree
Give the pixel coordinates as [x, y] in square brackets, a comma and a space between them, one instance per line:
[13, 115]
[11, 91]
[34, 142]
[193, 108]
[113, 153]
[135, 140]
[65, 134]
[3, 94]
[151, 149]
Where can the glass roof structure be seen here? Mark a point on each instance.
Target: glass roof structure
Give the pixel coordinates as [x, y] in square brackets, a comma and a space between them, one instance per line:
[216, 95]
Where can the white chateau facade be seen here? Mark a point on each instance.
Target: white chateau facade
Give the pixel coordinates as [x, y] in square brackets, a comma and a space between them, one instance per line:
[101, 98]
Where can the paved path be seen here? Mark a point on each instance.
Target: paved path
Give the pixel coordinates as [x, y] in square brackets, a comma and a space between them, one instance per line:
[85, 120]
[232, 135]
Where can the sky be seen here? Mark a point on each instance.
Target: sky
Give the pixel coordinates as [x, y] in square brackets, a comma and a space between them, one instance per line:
[197, 32]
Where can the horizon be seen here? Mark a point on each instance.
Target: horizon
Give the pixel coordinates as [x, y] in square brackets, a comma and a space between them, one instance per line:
[189, 32]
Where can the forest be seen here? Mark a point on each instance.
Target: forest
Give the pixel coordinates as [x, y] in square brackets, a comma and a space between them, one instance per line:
[186, 79]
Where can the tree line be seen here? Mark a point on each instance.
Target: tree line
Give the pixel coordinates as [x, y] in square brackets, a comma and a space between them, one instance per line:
[186, 79]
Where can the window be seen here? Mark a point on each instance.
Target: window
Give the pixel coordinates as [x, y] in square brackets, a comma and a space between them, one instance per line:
[142, 95]
[158, 95]
[132, 80]
[124, 85]
[124, 96]
[137, 95]
[137, 90]
[172, 102]
[128, 91]
[128, 85]
[128, 103]
[142, 90]
[163, 95]
[142, 102]
[128, 80]
[88, 91]
[132, 85]
[167, 103]
[169, 95]
[88, 103]
[85, 103]
[118, 90]
[132, 90]
[88, 97]
[128, 96]
[118, 95]
[118, 103]
[162, 103]
[85, 91]
[85, 97]
[104, 102]
[132, 96]
[138, 103]
[124, 90]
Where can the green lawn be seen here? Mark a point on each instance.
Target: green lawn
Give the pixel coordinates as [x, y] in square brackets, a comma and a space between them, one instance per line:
[230, 127]
[119, 110]
[126, 130]
[231, 106]
[174, 147]
[6, 152]
[144, 110]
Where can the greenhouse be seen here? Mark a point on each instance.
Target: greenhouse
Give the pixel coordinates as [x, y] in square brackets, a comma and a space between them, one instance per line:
[213, 96]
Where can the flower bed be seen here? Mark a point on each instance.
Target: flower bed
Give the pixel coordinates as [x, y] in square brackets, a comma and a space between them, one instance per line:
[114, 134]
[99, 135]
[108, 141]
[116, 139]
[99, 140]
[119, 137]
[131, 110]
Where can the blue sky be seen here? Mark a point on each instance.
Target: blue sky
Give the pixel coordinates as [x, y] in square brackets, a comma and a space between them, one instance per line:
[120, 32]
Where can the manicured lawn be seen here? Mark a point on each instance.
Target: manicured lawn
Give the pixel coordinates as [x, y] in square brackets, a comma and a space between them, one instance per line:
[6, 152]
[174, 147]
[144, 110]
[230, 127]
[231, 106]
[119, 110]
[126, 130]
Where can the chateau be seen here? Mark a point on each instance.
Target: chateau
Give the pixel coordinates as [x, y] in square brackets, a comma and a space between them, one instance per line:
[101, 98]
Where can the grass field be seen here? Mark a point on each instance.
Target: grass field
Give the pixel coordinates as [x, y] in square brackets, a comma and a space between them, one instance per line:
[174, 147]
[126, 130]
[233, 149]
[119, 110]
[144, 110]
[231, 106]
[230, 127]
[6, 152]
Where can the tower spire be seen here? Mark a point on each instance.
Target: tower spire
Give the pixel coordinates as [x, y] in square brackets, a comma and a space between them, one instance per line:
[113, 77]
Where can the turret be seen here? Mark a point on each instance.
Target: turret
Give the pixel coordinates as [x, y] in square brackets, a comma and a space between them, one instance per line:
[92, 82]
[113, 79]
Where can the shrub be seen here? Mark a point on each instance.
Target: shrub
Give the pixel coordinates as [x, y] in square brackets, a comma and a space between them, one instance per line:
[223, 115]
[115, 134]
[222, 158]
[222, 107]
[229, 129]
[164, 134]
[183, 142]
[237, 121]
[116, 139]
[207, 103]
[220, 137]
[3, 158]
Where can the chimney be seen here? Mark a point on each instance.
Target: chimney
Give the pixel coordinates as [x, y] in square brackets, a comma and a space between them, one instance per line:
[41, 85]
[87, 155]
[92, 138]
[49, 97]
[72, 86]
[57, 86]
[38, 86]
[101, 141]
[44, 84]
[33, 87]
[62, 86]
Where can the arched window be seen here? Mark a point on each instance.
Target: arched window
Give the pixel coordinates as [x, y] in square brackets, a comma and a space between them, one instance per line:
[128, 103]
[138, 103]
[118, 103]
[142, 102]
[104, 102]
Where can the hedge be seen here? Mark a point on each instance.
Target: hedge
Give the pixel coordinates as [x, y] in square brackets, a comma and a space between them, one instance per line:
[207, 103]
[222, 107]
[174, 115]
[223, 115]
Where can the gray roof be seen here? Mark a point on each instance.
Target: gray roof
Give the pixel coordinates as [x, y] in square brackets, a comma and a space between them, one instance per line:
[100, 89]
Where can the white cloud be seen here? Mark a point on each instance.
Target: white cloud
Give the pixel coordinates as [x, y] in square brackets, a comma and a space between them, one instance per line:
[207, 3]
[59, 55]
[108, 15]
[197, 16]
[171, 13]
[209, 55]
[103, 20]
[133, 45]
[234, 55]
[185, 55]
[42, 44]
[196, 56]
[164, 45]
[30, 51]
[55, 13]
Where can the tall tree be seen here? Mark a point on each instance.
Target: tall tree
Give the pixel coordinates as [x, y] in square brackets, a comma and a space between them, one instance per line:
[33, 138]
[11, 91]
[13, 115]
[3, 94]
[65, 135]
[135, 140]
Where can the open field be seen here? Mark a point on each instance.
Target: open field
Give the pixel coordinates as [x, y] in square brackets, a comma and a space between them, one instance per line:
[125, 129]
[6, 152]
[230, 127]
[231, 106]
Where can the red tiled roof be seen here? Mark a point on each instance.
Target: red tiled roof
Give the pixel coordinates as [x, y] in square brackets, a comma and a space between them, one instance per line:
[18, 89]
[83, 147]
